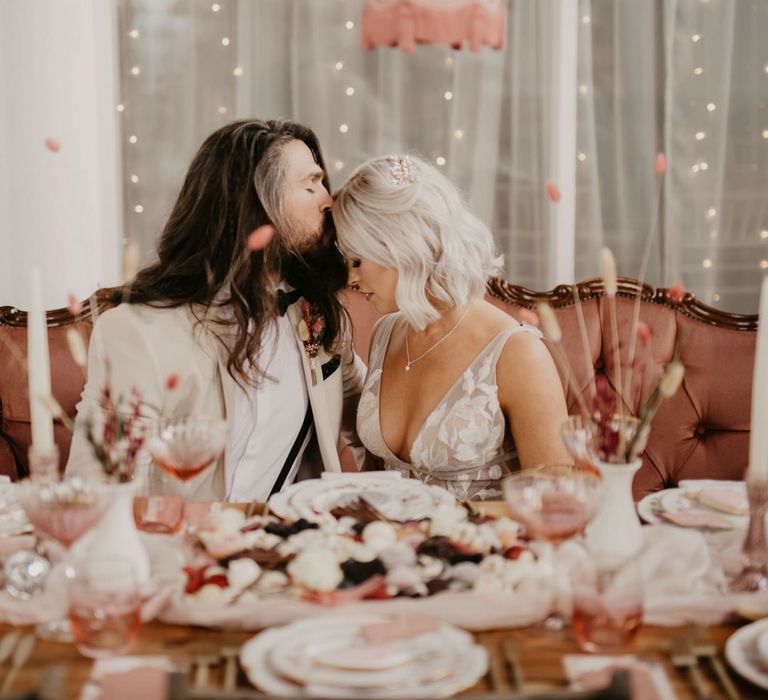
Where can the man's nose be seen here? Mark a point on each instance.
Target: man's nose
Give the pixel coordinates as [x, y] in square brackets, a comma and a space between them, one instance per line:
[325, 201]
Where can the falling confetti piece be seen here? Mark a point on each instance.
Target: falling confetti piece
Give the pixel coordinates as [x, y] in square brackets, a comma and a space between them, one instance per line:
[52, 145]
[260, 238]
[661, 164]
[74, 305]
[553, 191]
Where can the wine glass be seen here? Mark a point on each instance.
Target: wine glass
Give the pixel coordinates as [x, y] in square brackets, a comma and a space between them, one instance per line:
[554, 502]
[63, 511]
[184, 448]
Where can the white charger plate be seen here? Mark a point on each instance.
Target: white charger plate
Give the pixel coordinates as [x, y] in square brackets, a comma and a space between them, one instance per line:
[742, 653]
[675, 501]
[257, 658]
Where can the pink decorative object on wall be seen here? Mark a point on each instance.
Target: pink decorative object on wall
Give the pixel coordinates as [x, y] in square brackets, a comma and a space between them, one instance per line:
[405, 23]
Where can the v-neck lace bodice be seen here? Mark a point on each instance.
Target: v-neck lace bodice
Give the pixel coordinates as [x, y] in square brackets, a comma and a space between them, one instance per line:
[462, 445]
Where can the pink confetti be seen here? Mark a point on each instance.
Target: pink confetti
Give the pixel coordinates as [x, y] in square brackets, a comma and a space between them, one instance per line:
[260, 238]
[528, 316]
[661, 164]
[74, 305]
[553, 191]
[52, 145]
[676, 292]
[172, 381]
[644, 334]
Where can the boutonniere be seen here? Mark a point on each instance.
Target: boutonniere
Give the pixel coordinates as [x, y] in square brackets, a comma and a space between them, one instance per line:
[311, 331]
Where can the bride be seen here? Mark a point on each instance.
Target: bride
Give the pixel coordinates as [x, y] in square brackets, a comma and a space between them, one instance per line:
[458, 393]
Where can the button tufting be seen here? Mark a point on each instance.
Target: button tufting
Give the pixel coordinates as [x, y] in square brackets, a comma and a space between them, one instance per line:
[700, 430]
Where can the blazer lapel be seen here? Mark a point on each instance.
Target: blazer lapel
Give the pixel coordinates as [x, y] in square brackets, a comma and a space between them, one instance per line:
[315, 389]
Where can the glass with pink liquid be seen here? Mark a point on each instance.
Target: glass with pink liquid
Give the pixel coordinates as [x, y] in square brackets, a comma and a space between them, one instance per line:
[158, 507]
[607, 602]
[104, 607]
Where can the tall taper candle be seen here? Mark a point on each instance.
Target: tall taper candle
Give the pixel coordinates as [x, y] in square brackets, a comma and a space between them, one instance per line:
[758, 436]
[38, 367]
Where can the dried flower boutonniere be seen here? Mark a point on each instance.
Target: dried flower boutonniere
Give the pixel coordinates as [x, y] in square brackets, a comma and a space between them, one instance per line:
[311, 331]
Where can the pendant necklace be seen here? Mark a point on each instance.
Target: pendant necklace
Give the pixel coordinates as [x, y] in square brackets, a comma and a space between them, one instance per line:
[432, 347]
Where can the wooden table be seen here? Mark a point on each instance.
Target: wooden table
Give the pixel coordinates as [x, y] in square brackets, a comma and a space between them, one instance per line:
[540, 652]
[540, 656]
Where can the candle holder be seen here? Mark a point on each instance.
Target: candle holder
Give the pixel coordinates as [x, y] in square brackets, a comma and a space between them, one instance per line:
[754, 575]
[44, 463]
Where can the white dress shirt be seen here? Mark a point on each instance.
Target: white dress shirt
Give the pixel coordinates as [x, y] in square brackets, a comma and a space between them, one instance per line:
[266, 420]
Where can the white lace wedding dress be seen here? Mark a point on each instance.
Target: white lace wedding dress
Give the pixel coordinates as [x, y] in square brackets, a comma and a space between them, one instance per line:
[462, 445]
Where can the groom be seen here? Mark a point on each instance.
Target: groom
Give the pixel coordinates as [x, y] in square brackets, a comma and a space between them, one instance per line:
[228, 324]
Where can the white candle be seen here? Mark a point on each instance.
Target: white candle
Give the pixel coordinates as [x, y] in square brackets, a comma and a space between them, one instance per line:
[758, 436]
[38, 367]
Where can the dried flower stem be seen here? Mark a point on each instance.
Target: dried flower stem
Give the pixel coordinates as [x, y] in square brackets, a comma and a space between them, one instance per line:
[13, 348]
[649, 240]
[585, 341]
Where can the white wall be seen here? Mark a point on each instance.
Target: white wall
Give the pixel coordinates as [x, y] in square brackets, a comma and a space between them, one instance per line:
[60, 211]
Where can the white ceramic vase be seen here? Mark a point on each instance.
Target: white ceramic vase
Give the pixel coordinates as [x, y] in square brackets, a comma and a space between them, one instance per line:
[615, 533]
[116, 535]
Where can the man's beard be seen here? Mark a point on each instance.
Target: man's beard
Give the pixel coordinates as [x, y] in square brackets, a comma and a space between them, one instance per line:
[319, 270]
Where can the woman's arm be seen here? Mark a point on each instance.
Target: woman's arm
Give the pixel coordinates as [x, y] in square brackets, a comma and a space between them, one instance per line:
[532, 399]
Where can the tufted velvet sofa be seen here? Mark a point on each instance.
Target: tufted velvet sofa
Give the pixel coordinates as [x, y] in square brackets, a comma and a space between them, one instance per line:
[701, 432]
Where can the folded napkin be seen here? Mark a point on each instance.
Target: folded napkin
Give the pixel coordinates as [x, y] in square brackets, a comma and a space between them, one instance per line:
[647, 678]
[129, 677]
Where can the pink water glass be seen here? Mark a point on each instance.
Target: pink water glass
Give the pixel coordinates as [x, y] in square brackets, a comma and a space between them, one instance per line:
[553, 501]
[104, 606]
[158, 507]
[607, 602]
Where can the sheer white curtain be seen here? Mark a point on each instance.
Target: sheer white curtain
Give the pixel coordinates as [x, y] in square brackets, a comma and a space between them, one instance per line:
[485, 119]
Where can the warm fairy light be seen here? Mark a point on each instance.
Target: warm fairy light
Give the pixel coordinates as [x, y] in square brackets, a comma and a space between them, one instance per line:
[134, 34]
[711, 107]
[339, 164]
[765, 133]
[583, 89]
[700, 135]
[350, 91]
[696, 37]
[350, 25]
[440, 160]
[448, 95]
[133, 138]
[343, 128]
[706, 263]
[138, 209]
[582, 156]
[136, 70]
[586, 19]
[225, 41]
[449, 61]
[764, 233]
[459, 134]
[339, 65]
[120, 108]
[704, 165]
[238, 71]
[222, 109]
[715, 297]
[215, 7]
[766, 68]
[764, 264]
[711, 213]
[698, 70]
[695, 168]
[134, 179]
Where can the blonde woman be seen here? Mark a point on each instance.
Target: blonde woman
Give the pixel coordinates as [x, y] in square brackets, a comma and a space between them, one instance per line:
[458, 393]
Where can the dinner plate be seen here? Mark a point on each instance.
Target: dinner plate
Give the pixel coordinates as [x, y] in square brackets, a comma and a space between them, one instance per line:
[397, 499]
[285, 649]
[675, 501]
[742, 653]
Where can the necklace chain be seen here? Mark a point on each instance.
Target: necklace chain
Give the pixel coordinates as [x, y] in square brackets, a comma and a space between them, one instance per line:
[431, 347]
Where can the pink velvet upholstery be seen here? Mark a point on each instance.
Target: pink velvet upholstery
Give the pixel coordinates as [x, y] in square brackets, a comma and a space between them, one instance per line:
[703, 431]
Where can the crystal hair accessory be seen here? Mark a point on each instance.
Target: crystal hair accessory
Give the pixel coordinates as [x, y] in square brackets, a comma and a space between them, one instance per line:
[401, 170]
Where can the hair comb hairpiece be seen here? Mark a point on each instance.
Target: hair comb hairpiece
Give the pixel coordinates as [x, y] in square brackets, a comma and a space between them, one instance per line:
[401, 170]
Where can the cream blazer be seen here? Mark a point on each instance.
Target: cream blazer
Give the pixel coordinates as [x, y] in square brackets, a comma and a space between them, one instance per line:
[134, 345]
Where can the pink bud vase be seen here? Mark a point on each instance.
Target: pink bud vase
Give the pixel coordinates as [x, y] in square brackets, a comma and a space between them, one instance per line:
[116, 532]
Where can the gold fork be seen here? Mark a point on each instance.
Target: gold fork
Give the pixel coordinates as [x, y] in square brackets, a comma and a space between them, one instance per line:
[701, 645]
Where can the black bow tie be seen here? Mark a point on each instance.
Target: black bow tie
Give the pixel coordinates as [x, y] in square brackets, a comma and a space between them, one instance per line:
[285, 299]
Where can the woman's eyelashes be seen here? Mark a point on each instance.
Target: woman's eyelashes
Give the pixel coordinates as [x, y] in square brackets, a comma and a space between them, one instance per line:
[354, 262]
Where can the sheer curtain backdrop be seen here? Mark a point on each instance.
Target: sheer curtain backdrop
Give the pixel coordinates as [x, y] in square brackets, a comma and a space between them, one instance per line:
[644, 84]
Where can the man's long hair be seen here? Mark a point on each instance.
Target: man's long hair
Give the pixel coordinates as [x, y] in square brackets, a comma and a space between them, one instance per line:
[203, 259]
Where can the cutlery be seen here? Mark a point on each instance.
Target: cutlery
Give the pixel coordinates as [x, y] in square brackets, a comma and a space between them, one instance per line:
[203, 663]
[509, 647]
[702, 646]
[230, 654]
[7, 644]
[683, 660]
[496, 672]
[19, 658]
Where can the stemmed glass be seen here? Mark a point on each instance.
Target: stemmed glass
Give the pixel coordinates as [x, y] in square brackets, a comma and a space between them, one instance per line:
[554, 502]
[63, 511]
[184, 448]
